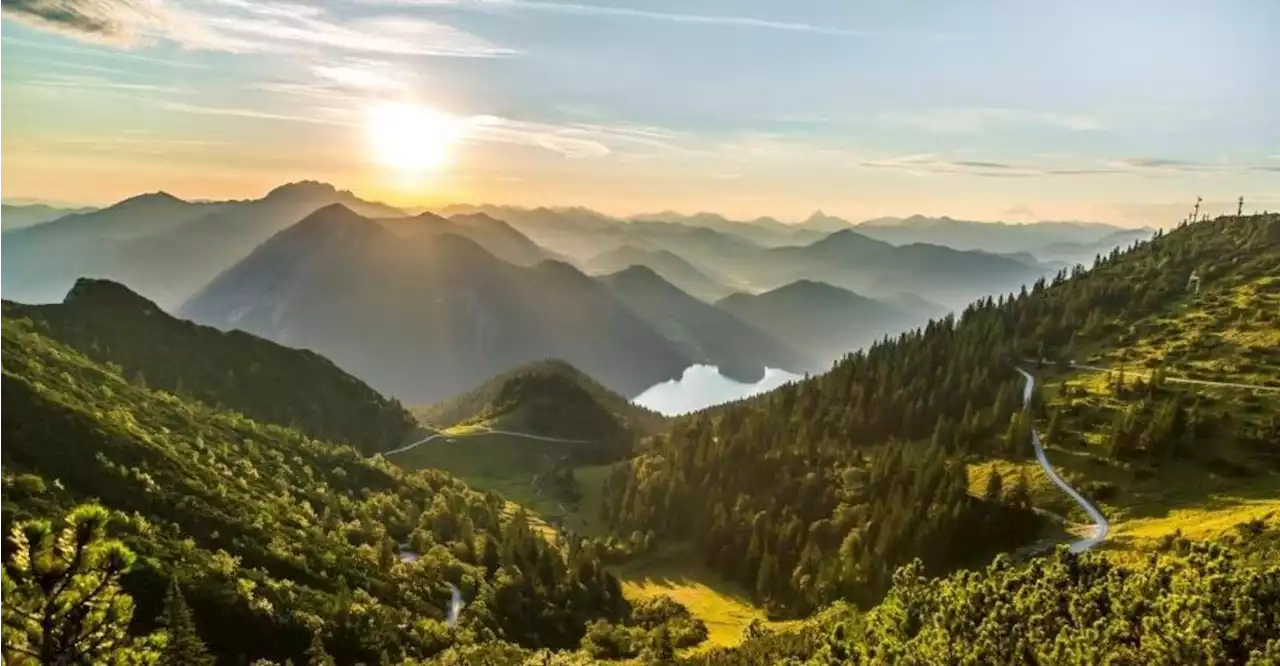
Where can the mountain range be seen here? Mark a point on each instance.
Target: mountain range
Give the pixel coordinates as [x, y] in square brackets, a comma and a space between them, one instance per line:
[18, 216]
[164, 247]
[825, 321]
[423, 306]
[427, 316]
[671, 266]
[1046, 241]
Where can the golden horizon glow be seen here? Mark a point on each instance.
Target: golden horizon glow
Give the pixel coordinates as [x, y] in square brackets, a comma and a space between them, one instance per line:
[411, 139]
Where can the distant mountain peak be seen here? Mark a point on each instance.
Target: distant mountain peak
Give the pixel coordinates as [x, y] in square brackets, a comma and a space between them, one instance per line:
[328, 221]
[149, 199]
[333, 211]
[306, 189]
[639, 274]
[557, 267]
[430, 217]
[822, 222]
[107, 294]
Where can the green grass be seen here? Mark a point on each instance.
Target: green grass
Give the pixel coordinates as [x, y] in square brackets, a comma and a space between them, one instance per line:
[677, 571]
[1228, 332]
[1195, 494]
[502, 464]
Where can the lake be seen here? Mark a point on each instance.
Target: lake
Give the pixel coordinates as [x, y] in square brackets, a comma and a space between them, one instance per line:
[702, 386]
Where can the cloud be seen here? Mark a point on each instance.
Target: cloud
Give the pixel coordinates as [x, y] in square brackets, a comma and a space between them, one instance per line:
[98, 83]
[123, 23]
[971, 121]
[1161, 163]
[1019, 211]
[366, 75]
[99, 53]
[245, 26]
[928, 164]
[1157, 165]
[575, 141]
[386, 35]
[243, 112]
[583, 9]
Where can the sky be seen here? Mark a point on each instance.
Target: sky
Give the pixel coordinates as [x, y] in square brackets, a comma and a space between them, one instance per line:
[1117, 111]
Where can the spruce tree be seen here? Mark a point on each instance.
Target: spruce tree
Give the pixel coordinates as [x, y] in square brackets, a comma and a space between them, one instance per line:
[316, 655]
[1020, 494]
[184, 647]
[995, 486]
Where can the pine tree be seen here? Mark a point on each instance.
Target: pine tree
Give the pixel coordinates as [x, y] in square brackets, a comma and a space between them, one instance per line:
[1020, 494]
[316, 655]
[62, 598]
[1053, 434]
[995, 486]
[183, 647]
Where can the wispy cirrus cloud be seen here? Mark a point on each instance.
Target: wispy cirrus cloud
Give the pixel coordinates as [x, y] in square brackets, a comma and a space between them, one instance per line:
[615, 11]
[571, 140]
[930, 164]
[120, 23]
[362, 75]
[94, 83]
[100, 53]
[970, 121]
[244, 26]
[247, 112]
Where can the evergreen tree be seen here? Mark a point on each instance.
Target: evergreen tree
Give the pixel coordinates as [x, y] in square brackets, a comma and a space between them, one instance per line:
[316, 655]
[1053, 435]
[1020, 494]
[62, 598]
[995, 486]
[183, 647]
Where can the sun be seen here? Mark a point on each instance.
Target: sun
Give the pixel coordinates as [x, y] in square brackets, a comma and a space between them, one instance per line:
[409, 138]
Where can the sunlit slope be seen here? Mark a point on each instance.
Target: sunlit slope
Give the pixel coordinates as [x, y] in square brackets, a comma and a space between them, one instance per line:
[111, 324]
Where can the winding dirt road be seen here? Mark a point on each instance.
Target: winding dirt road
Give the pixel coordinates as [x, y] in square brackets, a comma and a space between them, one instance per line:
[1100, 525]
[476, 433]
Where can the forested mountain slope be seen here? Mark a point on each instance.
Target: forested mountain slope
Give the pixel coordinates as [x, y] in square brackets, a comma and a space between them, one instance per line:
[1170, 418]
[514, 399]
[275, 537]
[1195, 603]
[756, 474]
[267, 382]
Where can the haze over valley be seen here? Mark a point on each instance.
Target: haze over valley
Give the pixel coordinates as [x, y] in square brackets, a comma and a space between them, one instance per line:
[639, 333]
[423, 306]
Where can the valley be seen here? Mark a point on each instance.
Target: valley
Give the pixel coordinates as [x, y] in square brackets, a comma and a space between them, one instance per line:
[612, 469]
[639, 333]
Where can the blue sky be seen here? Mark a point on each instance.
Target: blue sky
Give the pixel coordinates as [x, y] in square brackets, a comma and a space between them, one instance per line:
[989, 109]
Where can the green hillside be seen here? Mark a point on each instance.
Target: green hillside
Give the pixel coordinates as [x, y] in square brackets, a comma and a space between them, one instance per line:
[1158, 455]
[275, 537]
[265, 381]
[524, 433]
[742, 481]
[1164, 456]
[551, 398]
